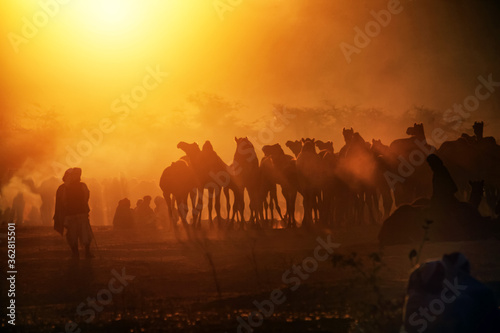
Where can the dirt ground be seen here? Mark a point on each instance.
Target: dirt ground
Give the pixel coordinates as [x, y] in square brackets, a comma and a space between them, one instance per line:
[203, 284]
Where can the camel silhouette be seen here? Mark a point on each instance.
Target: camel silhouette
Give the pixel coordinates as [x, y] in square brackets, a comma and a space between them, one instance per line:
[248, 176]
[310, 180]
[268, 187]
[357, 167]
[417, 183]
[294, 146]
[474, 157]
[453, 220]
[178, 181]
[284, 173]
[331, 183]
[214, 175]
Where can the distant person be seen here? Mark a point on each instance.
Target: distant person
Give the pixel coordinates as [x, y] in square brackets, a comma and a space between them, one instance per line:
[443, 186]
[161, 211]
[136, 211]
[72, 212]
[124, 215]
[144, 213]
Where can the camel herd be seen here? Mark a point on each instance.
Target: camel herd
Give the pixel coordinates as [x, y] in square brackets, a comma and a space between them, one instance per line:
[362, 183]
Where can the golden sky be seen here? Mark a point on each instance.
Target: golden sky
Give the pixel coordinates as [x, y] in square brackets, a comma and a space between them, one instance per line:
[68, 66]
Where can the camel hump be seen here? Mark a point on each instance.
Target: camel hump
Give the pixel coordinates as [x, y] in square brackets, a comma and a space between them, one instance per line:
[207, 146]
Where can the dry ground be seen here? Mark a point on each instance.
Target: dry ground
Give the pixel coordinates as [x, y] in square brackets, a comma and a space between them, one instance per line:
[174, 289]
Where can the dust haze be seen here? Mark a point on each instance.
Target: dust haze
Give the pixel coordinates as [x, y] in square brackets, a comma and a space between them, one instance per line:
[263, 56]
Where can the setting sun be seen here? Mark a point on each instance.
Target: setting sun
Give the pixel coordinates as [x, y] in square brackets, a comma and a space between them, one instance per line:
[249, 165]
[109, 15]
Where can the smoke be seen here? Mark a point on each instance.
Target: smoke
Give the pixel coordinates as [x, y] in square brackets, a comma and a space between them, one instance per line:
[19, 195]
[234, 73]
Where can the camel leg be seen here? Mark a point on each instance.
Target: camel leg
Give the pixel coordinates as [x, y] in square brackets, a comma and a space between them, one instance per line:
[370, 202]
[182, 207]
[271, 209]
[199, 208]
[308, 209]
[265, 206]
[274, 197]
[241, 208]
[169, 208]
[228, 202]
[192, 195]
[290, 198]
[217, 206]
[210, 205]
[293, 199]
[387, 202]
[316, 203]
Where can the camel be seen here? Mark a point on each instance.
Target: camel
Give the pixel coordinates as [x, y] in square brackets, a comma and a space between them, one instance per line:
[294, 146]
[329, 161]
[324, 146]
[268, 187]
[474, 157]
[248, 176]
[453, 220]
[315, 199]
[412, 150]
[284, 173]
[310, 173]
[356, 169]
[380, 152]
[213, 174]
[180, 181]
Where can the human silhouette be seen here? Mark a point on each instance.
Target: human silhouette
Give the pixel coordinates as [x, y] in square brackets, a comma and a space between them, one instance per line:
[144, 213]
[161, 211]
[72, 212]
[443, 186]
[124, 217]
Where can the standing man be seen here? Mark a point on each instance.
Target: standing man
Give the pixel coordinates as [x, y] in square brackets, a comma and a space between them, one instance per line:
[72, 212]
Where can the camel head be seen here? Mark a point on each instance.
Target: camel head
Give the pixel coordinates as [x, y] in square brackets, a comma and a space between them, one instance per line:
[294, 146]
[273, 150]
[347, 133]
[308, 139]
[243, 143]
[308, 145]
[416, 131]
[189, 148]
[328, 145]
[378, 146]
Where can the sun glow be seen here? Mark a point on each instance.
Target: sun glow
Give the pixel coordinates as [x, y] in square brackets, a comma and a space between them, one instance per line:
[110, 15]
